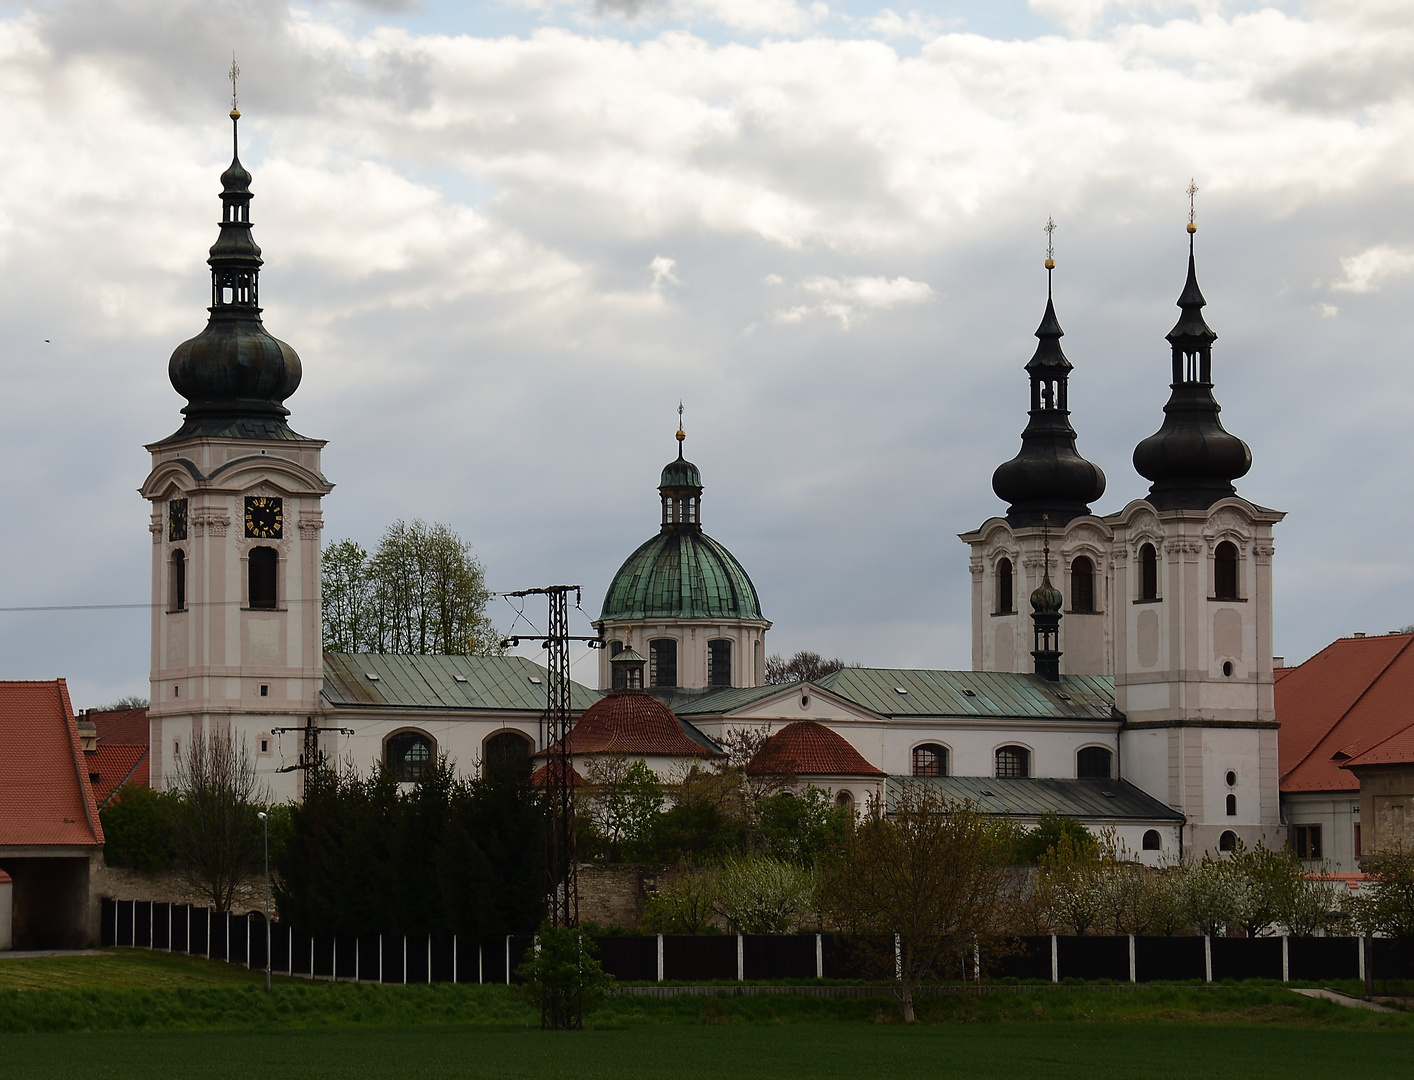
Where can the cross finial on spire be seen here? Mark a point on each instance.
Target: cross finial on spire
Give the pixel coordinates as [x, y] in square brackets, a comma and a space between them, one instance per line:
[1192, 191]
[233, 75]
[681, 433]
[1046, 543]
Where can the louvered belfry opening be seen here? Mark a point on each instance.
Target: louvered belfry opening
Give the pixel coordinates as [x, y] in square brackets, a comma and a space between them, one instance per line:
[264, 564]
[1225, 571]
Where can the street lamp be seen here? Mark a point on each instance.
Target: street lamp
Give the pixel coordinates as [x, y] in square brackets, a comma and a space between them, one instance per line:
[265, 821]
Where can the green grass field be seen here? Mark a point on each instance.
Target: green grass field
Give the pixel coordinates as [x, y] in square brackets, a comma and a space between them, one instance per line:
[138, 1014]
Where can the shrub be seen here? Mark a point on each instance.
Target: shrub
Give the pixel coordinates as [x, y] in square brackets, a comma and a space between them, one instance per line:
[562, 977]
[137, 829]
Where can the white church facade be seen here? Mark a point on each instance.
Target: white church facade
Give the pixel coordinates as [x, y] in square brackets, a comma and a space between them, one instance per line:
[1132, 689]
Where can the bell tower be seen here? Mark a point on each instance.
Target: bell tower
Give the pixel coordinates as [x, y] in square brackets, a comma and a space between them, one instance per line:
[236, 523]
[1193, 611]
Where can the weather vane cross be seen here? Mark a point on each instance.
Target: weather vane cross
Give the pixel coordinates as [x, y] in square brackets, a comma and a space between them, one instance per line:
[1192, 190]
[233, 75]
[1050, 232]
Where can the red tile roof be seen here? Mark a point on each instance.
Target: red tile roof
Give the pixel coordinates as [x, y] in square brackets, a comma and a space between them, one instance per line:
[45, 795]
[538, 776]
[1398, 749]
[632, 722]
[806, 748]
[115, 765]
[126, 727]
[1352, 695]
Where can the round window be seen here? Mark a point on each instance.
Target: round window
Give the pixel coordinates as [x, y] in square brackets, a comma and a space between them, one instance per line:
[1227, 668]
[1231, 778]
[805, 701]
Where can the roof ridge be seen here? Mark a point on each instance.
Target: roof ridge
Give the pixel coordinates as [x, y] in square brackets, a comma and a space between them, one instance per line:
[1350, 708]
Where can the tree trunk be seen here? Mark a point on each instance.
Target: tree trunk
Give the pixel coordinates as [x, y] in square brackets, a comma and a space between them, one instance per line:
[906, 994]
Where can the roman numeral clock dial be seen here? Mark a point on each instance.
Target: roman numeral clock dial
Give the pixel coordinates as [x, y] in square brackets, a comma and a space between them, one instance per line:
[264, 517]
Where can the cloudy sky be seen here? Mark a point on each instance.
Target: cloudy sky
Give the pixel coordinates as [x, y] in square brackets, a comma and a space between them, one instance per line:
[508, 236]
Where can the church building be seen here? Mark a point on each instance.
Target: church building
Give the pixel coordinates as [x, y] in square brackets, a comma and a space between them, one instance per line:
[1136, 693]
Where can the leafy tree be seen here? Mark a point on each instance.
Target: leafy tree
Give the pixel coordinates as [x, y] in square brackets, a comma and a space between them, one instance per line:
[804, 666]
[757, 894]
[1046, 836]
[216, 837]
[562, 977]
[137, 829]
[132, 701]
[422, 591]
[929, 870]
[621, 803]
[801, 828]
[1207, 894]
[686, 904]
[1390, 907]
[1070, 883]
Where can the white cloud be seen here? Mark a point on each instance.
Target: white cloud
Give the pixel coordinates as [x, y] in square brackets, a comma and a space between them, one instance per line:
[663, 271]
[847, 299]
[890, 24]
[1367, 271]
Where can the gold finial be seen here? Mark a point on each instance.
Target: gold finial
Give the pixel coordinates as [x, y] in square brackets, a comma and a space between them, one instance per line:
[1050, 243]
[1192, 207]
[233, 75]
[681, 433]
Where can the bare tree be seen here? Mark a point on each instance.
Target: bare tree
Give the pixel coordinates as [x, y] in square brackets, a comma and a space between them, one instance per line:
[930, 871]
[216, 835]
[804, 666]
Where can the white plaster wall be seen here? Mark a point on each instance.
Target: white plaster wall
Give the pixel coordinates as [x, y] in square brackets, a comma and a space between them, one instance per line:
[1337, 813]
[692, 636]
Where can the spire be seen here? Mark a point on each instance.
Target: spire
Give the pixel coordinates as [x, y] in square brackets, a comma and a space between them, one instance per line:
[1048, 479]
[1192, 460]
[680, 488]
[234, 374]
[1046, 613]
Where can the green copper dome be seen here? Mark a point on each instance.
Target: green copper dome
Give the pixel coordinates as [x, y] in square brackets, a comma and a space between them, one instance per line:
[681, 575]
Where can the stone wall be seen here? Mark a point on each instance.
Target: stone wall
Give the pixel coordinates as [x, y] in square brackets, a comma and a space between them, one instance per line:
[169, 887]
[614, 895]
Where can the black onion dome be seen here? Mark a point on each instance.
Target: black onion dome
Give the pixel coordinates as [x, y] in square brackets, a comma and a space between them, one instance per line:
[1048, 478]
[234, 374]
[1192, 459]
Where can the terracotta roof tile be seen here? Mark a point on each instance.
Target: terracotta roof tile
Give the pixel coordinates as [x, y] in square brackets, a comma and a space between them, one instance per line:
[45, 795]
[1398, 749]
[128, 727]
[1352, 695]
[538, 776]
[632, 722]
[807, 748]
[115, 765]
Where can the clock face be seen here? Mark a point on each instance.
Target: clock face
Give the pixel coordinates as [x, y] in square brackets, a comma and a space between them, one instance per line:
[177, 519]
[264, 517]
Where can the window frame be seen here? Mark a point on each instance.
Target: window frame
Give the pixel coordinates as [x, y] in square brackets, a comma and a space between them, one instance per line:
[940, 759]
[1088, 576]
[416, 733]
[1306, 841]
[1109, 760]
[1025, 759]
[655, 662]
[1004, 598]
[713, 681]
[177, 580]
[1148, 559]
[1227, 841]
[274, 582]
[1157, 845]
[504, 735]
[1227, 572]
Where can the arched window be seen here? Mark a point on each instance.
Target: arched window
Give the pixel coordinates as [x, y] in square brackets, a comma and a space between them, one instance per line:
[1013, 762]
[844, 799]
[1093, 763]
[1082, 586]
[1232, 806]
[1153, 841]
[1004, 588]
[407, 754]
[1225, 571]
[615, 647]
[179, 580]
[1148, 573]
[1227, 841]
[505, 749]
[719, 662]
[930, 759]
[263, 564]
[663, 662]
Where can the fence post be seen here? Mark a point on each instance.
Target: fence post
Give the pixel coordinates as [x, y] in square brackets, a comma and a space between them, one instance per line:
[660, 958]
[740, 958]
[405, 959]
[1360, 951]
[1285, 958]
[1207, 958]
[819, 956]
[1055, 959]
[1132, 965]
[508, 959]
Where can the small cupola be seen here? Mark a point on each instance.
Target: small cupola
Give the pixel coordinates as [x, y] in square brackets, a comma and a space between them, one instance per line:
[1192, 460]
[628, 669]
[1048, 478]
[1046, 603]
[680, 488]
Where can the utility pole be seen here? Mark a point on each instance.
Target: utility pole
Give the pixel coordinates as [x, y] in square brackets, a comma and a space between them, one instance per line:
[561, 869]
[311, 758]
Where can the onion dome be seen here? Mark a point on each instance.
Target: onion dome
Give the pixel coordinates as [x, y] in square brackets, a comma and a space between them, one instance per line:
[1046, 603]
[1048, 478]
[682, 573]
[1046, 599]
[234, 374]
[1192, 460]
[632, 722]
[807, 748]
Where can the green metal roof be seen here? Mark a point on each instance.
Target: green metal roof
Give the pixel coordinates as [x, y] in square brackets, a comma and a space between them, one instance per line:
[680, 473]
[1110, 800]
[681, 574]
[492, 683]
[974, 693]
[712, 701]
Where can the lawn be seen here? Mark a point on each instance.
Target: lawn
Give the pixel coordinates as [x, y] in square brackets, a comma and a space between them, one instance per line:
[706, 1052]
